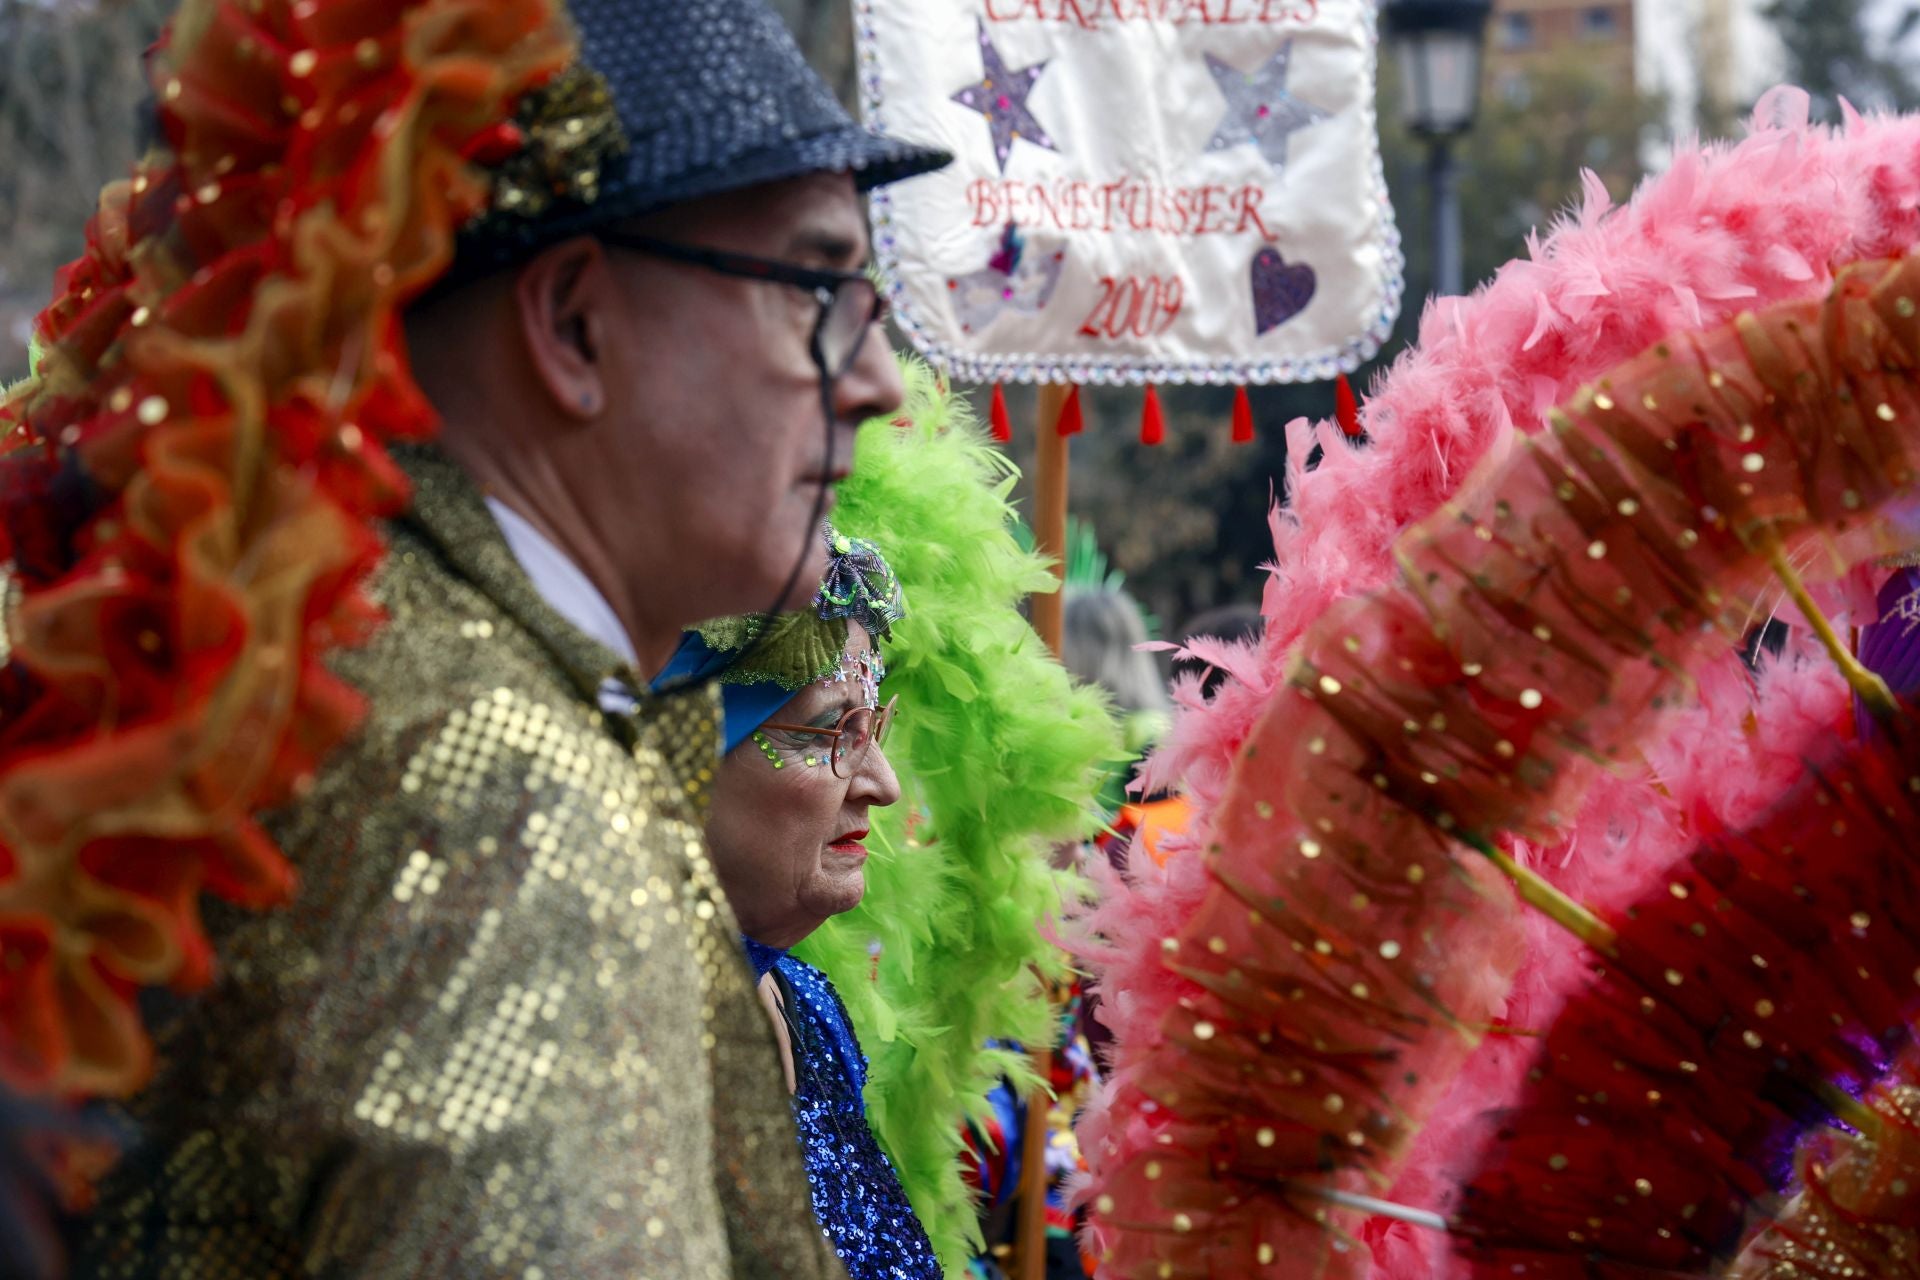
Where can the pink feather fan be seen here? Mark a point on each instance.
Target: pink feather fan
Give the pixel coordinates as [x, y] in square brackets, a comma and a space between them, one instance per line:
[1402, 1009]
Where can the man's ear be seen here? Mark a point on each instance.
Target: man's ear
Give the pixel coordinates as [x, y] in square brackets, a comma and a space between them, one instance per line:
[561, 295]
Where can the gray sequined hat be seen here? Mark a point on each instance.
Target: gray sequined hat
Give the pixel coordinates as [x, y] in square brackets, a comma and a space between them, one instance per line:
[669, 101]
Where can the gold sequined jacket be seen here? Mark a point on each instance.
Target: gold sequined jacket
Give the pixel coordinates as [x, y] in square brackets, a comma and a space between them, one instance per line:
[505, 1029]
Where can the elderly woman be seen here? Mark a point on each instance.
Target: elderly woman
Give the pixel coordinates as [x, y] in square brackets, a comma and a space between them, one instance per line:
[803, 766]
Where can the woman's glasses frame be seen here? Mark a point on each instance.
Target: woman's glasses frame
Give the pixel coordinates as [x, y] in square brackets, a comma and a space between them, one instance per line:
[846, 761]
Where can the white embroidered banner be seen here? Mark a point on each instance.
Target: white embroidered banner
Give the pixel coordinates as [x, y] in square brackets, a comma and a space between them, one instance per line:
[1143, 190]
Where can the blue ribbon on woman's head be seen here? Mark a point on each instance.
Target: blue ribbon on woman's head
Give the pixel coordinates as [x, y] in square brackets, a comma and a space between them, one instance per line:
[745, 707]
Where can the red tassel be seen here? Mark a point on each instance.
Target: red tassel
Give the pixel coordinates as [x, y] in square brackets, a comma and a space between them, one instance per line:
[1153, 424]
[1071, 423]
[1346, 409]
[1242, 417]
[1002, 425]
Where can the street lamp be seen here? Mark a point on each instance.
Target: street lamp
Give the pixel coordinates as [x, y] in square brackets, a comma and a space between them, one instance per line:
[1437, 44]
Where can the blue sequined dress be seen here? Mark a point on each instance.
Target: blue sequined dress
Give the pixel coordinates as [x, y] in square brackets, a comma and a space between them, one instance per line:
[856, 1194]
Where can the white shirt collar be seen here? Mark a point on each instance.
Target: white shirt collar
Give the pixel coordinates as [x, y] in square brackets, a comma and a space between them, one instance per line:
[561, 583]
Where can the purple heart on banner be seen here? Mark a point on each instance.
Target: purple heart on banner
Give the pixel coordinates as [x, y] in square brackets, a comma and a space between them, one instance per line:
[1281, 290]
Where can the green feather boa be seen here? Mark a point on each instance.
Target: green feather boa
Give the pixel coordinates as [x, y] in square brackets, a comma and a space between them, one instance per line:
[999, 755]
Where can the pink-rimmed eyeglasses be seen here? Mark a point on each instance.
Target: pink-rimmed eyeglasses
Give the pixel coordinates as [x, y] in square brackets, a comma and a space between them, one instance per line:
[858, 729]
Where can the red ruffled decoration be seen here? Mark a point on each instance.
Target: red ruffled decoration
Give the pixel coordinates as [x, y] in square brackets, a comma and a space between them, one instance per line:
[195, 469]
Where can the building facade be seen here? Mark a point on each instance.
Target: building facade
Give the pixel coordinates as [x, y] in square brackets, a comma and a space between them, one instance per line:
[1526, 33]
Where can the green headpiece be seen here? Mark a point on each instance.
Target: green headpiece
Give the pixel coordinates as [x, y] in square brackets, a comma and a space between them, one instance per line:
[795, 649]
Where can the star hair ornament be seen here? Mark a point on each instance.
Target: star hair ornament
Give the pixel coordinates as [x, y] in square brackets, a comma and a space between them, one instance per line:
[796, 649]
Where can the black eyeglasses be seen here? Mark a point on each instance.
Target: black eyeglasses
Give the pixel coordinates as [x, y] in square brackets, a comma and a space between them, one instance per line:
[849, 303]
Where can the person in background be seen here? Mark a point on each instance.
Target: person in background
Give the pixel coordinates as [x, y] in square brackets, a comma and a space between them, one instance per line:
[1145, 821]
[1103, 629]
[1238, 623]
[39, 1142]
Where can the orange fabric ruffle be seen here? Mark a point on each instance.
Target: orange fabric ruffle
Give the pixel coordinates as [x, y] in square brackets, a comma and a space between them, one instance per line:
[192, 477]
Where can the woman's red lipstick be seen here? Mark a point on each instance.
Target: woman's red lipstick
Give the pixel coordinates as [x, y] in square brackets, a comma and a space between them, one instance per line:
[851, 844]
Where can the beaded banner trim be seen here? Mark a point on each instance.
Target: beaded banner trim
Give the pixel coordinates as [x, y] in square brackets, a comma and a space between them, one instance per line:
[1036, 367]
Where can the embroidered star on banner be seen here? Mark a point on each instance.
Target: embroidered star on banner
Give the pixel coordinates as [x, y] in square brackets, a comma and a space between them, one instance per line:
[1001, 96]
[1259, 108]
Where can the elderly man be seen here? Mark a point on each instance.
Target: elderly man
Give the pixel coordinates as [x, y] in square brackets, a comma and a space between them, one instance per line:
[503, 1028]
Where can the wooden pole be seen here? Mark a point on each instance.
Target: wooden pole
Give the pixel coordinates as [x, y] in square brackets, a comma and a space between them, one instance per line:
[1050, 509]
[1050, 539]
